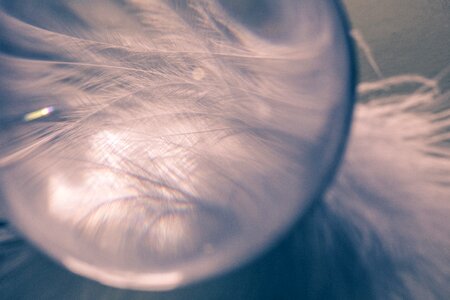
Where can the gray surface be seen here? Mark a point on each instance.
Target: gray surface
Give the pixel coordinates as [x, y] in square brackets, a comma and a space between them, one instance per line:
[406, 36]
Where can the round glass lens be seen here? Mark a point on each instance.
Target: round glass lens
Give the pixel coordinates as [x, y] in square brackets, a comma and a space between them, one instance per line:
[150, 144]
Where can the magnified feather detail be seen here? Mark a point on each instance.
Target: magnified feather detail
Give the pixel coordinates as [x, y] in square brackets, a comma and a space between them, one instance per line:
[149, 144]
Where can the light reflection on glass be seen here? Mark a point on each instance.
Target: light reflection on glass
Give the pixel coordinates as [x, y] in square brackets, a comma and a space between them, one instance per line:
[37, 114]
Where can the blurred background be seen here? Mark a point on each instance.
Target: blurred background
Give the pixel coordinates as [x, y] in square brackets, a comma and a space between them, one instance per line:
[405, 36]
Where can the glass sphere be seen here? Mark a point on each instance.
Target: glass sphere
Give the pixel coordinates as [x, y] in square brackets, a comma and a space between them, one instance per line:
[151, 144]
